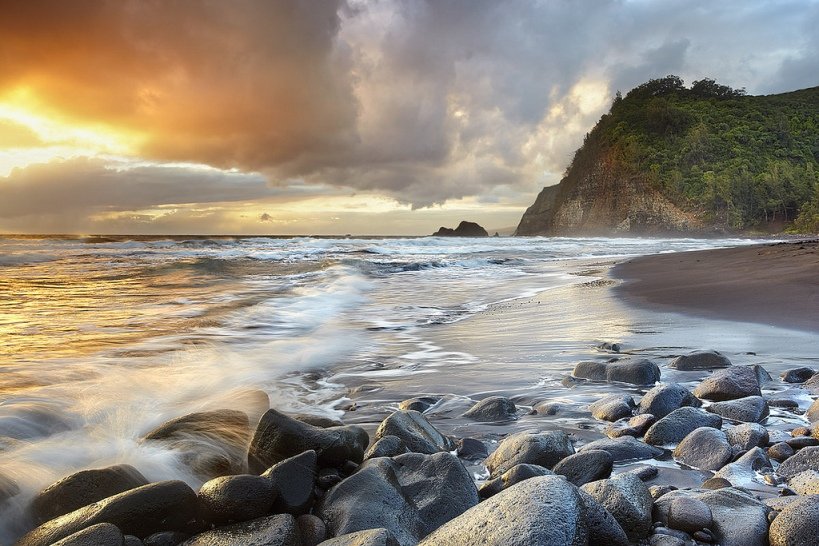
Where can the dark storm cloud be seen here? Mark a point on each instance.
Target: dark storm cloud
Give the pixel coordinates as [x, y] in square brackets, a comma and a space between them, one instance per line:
[425, 101]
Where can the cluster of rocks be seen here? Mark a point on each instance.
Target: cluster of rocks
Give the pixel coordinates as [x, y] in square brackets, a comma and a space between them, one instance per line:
[305, 481]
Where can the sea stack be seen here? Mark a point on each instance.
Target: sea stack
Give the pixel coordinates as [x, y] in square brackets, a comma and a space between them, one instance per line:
[464, 229]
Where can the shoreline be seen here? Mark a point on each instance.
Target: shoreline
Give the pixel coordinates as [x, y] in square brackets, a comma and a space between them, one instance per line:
[775, 284]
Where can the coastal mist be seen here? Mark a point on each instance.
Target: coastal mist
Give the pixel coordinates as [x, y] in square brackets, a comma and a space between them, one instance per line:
[105, 339]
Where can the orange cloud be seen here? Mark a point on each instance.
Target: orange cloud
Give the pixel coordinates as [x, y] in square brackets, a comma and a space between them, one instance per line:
[245, 84]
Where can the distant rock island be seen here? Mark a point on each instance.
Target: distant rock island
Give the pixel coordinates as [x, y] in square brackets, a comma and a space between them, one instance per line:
[464, 229]
[705, 159]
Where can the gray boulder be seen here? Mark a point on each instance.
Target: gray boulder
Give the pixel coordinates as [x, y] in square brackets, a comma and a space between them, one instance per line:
[231, 499]
[586, 466]
[678, 424]
[747, 436]
[689, 514]
[751, 409]
[796, 525]
[627, 498]
[636, 426]
[293, 482]
[804, 459]
[729, 384]
[705, 448]
[388, 446]
[101, 534]
[627, 370]
[780, 452]
[601, 525]
[161, 506]
[739, 519]
[211, 443]
[541, 448]
[805, 483]
[279, 437]
[312, 530]
[82, 488]
[492, 409]
[700, 360]
[514, 475]
[797, 375]
[812, 414]
[278, 530]
[409, 495]
[546, 510]
[663, 399]
[471, 449]
[370, 537]
[419, 404]
[625, 448]
[612, 408]
[743, 471]
[415, 431]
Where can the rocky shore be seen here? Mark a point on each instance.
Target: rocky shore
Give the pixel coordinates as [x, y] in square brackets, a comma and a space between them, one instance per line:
[302, 480]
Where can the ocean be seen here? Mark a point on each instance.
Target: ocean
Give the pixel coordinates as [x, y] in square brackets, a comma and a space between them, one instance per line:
[104, 338]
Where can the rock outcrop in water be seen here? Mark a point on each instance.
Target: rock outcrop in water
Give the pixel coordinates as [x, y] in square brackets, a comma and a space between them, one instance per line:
[464, 229]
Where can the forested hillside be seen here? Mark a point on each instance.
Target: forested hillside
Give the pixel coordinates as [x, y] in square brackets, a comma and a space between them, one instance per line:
[731, 161]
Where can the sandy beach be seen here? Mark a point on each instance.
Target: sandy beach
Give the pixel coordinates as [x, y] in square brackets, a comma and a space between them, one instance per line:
[775, 284]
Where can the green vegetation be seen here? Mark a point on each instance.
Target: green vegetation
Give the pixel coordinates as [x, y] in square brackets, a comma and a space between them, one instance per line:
[742, 162]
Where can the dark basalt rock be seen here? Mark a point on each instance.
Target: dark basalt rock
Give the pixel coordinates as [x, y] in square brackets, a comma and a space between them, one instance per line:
[627, 498]
[742, 472]
[729, 384]
[165, 538]
[739, 519]
[601, 525]
[542, 448]
[514, 475]
[312, 530]
[212, 443]
[101, 534]
[678, 424]
[797, 375]
[388, 446]
[542, 510]
[747, 436]
[464, 229]
[278, 530]
[370, 537]
[279, 437]
[231, 499]
[420, 404]
[471, 449]
[796, 525]
[83, 488]
[410, 496]
[705, 448]
[492, 409]
[415, 431]
[321, 421]
[805, 483]
[625, 448]
[587, 466]
[636, 426]
[700, 360]
[612, 408]
[627, 370]
[293, 481]
[804, 459]
[689, 514]
[751, 409]
[161, 506]
[663, 399]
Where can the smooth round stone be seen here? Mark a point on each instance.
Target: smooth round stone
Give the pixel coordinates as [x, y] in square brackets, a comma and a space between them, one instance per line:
[236, 498]
[471, 449]
[312, 530]
[802, 441]
[627, 498]
[663, 399]
[705, 449]
[797, 375]
[586, 466]
[635, 427]
[612, 408]
[543, 448]
[797, 524]
[678, 424]
[781, 451]
[492, 409]
[689, 514]
[700, 360]
[751, 409]
[728, 384]
[747, 435]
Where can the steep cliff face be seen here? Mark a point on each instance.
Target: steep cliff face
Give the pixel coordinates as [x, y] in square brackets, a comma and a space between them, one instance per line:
[671, 159]
[600, 200]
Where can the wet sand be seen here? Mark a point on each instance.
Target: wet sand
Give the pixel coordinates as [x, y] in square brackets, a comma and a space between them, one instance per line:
[775, 284]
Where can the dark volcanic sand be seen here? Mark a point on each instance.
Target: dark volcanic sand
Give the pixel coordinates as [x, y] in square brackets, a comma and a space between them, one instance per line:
[775, 284]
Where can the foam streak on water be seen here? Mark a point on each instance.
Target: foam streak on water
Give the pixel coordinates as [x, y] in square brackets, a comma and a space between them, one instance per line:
[101, 340]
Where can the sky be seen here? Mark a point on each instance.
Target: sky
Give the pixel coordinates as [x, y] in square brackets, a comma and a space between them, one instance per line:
[333, 116]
